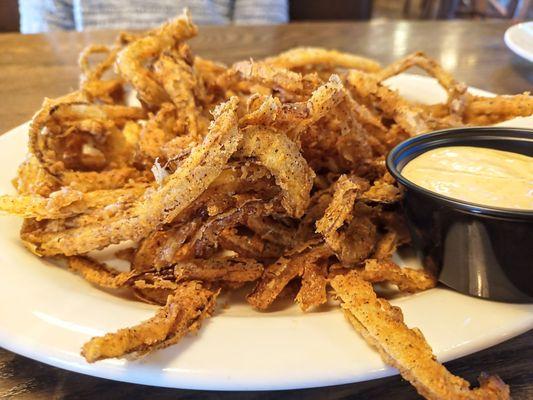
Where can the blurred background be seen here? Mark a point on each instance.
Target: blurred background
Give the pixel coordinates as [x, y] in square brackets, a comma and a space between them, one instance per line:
[34, 16]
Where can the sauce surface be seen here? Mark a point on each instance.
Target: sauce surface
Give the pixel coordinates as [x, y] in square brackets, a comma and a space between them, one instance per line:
[475, 174]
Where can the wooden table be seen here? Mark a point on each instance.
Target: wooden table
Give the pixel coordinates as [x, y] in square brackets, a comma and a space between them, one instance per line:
[35, 66]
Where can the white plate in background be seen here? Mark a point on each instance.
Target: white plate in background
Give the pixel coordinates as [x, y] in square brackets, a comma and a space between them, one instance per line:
[519, 38]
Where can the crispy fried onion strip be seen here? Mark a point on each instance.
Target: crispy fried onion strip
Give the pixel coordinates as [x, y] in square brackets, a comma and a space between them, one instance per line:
[382, 326]
[314, 284]
[249, 245]
[67, 202]
[163, 248]
[184, 312]
[501, 106]
[383, 190]
[59, 118]
[130, 61]
[456, 90]
[262, 110]
[161, 205]
[410, 117]
[97, 273]
[207, 238]
[270, 75]
[179, 81]
[274, 280]
[36, 143]
[33, 179]
[295, 118]
[324, 99]
[285, 269]
[91, 82]
[283, 159]
[89, 73]
[395, 234]
[88, 181]
[311, 56]
[339, 211]
[236, 270]
[407, 279]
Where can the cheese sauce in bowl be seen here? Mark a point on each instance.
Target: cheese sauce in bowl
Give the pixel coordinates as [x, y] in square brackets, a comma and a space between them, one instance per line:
[479, 175]
[468, 203]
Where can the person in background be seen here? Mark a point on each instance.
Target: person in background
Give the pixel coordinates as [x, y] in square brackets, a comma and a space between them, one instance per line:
[51, 15]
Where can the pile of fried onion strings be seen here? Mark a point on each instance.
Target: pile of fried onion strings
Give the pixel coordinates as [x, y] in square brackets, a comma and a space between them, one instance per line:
[267, 174]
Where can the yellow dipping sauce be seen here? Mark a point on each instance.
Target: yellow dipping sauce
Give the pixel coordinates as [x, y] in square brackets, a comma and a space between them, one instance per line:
[475, 174]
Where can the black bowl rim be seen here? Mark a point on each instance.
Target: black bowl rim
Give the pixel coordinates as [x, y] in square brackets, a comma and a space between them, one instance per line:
[464, 206]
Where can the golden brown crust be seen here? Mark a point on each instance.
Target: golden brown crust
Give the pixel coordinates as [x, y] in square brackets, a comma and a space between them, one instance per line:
[278, 275]
[382, 326]
[316, 56]
[183, 313]
[98, 274]
[313, 293]
[233, 270]
[283, 159]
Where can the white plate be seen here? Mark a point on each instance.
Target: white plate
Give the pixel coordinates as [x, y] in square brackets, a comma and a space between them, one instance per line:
[47, 313]
[519, 38]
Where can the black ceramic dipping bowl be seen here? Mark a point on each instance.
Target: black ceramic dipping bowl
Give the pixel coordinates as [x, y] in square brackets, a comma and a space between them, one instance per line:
[477, 250]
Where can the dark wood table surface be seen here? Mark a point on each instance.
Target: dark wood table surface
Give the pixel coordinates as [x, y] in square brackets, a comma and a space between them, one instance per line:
[35, 66]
